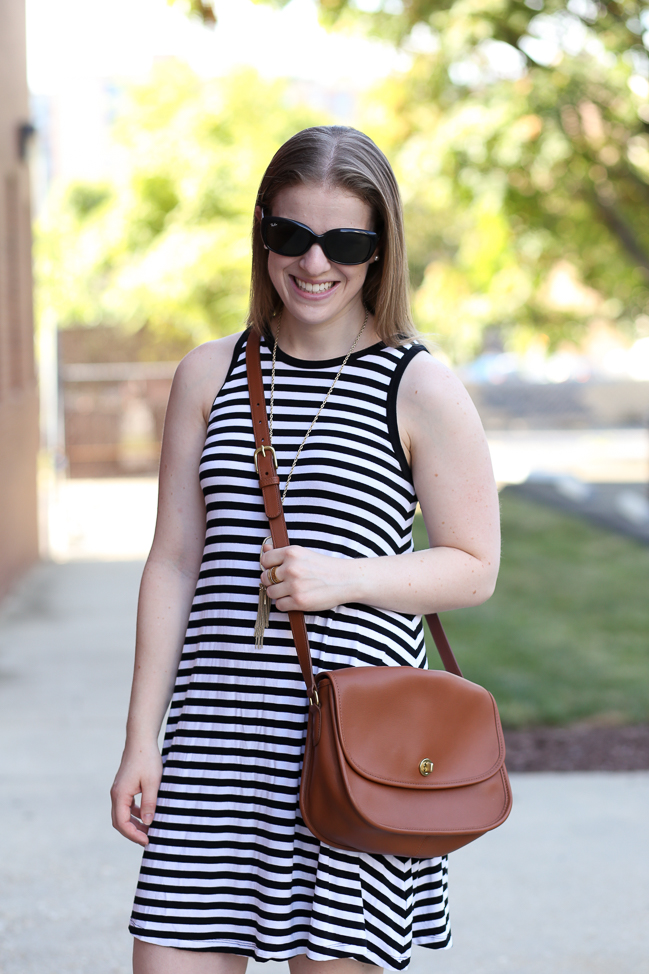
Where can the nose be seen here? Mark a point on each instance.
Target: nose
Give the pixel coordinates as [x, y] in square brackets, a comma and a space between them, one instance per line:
[314, 262]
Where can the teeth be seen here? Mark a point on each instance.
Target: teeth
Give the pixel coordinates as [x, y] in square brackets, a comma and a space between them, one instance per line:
[315, 288]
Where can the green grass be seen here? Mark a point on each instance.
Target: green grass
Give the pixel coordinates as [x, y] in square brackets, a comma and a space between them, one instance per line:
[566, 636]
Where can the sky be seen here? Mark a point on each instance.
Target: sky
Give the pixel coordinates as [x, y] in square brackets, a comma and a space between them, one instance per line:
[69, 40]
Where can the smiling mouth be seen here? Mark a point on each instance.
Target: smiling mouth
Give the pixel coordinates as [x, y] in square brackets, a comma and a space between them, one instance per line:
[314, 288]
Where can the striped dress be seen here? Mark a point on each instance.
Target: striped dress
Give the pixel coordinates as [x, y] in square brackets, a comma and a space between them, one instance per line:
[230, 865]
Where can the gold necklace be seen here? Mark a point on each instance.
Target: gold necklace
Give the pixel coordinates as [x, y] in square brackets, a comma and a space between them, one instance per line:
[324, 401]
[263, 605]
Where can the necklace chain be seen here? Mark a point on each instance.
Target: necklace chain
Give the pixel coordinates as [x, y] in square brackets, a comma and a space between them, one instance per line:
[324, 401]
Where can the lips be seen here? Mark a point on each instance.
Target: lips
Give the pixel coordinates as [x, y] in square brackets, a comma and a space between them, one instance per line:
[318, 287]
[313, 289]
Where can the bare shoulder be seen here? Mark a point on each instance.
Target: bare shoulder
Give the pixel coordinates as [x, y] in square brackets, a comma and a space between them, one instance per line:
[202, 372]
[430, 391]
[447, 449]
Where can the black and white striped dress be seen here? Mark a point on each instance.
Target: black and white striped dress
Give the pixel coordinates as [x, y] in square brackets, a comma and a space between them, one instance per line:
[230, 866]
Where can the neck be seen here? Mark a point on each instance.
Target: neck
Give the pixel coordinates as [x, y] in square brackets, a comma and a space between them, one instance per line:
[324, 340]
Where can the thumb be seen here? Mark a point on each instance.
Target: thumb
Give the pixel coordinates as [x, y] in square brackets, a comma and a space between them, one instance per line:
[148, 802]
[265, 548]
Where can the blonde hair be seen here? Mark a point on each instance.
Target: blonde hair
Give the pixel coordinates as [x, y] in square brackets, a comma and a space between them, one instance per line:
[340, 157]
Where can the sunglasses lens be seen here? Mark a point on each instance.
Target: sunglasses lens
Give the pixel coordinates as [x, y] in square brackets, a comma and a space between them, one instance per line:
[292, 240]
[285, 237]
[347, 247]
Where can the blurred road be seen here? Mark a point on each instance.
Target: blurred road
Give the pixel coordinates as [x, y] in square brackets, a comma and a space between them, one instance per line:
[595, 456]
[114, 519]
[563, 887]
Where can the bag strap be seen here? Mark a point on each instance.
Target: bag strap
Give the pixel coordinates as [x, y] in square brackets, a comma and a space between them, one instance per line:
[266, 466]
[442, 644]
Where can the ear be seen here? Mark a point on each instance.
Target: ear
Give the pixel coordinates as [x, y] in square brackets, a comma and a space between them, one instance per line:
[258, 219]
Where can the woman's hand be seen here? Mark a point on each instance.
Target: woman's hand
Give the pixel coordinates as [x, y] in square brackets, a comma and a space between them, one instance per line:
[139, 774]
[307, 580]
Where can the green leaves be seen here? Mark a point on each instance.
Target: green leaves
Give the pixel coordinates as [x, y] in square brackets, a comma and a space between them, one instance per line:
[83, 198]
[520, 137]
[201, 10]
[167, 243]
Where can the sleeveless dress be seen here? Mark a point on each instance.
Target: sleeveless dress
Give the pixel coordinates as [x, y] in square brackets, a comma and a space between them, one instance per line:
[230, 865]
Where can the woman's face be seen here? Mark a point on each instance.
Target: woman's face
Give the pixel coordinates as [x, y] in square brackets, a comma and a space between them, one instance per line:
[313, 289]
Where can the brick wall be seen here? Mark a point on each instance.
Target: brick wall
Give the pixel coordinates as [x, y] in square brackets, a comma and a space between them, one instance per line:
[115, 385]
[18, 392]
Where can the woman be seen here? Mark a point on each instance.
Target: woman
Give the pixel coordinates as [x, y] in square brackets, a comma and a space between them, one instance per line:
[229, 870]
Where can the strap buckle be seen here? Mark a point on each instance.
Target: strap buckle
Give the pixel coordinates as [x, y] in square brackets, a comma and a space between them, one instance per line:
[262, 449]
[315, 699]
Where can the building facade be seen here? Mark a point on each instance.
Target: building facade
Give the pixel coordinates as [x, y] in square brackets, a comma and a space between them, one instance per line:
[18, 388]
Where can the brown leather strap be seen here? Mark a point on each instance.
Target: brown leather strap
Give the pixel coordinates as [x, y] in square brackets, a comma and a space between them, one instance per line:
[269, 483]
[442, 644]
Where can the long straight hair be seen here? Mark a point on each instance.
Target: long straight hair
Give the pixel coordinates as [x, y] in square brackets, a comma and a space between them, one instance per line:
[343, 158]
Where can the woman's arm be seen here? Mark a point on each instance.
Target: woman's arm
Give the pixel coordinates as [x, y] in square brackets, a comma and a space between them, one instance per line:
[444, 441]
[168, 582]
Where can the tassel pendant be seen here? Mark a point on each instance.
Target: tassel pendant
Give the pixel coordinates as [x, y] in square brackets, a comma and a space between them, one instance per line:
[263, 609]
[263, 612]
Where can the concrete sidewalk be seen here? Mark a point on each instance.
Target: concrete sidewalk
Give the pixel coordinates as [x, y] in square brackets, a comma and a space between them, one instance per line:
[562, 888]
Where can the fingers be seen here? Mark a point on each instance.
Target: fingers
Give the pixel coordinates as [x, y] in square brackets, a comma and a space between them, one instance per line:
[271, 579]
[129, 818]
[287, 604]
[271, 561]
[282, 566]
[272, 556]
[149, 799]
[125, 816]
[129, 824]
[299, 579]
[136, 823]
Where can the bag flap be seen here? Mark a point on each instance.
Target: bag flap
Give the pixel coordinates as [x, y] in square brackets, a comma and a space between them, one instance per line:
[413, 728]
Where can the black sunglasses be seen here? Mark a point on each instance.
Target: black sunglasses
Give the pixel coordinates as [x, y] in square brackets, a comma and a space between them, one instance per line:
[292, 239]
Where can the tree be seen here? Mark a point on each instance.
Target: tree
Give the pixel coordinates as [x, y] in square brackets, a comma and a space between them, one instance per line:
[166, 242]
[520, 136]
[203, 11]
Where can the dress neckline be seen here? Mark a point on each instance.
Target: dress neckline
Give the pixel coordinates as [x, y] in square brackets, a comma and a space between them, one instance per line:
[322, 363]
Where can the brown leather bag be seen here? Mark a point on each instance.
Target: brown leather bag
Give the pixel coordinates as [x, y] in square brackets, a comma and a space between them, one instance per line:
[398, 760]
